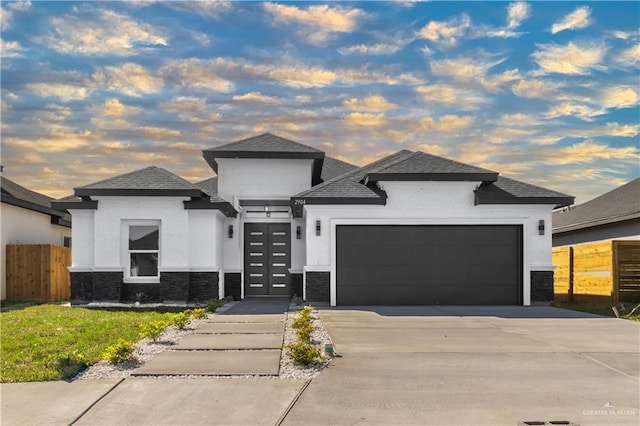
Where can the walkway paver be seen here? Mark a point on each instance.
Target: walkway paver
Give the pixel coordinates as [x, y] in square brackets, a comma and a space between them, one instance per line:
[213, 363]
[50, 403]
[249, 318]
[244, 328]
[213, 342]
[208, 401]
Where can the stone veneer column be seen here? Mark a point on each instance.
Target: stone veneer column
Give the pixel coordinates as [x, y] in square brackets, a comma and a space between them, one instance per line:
[541, 286]
[203, 286]
[318, 287]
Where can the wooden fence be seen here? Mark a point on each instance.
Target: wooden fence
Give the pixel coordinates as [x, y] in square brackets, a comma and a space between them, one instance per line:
[608, 270]
[38, 272]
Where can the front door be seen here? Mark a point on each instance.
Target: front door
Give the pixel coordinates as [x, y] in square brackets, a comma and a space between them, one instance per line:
[267, 258]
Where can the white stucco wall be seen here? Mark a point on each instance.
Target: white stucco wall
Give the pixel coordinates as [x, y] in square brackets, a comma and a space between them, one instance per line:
[189, 239]
[262, 178]
[430, 203]
[24, 226]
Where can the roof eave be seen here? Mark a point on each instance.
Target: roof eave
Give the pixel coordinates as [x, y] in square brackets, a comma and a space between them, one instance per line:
[76, 205]
[138, 192]
[594, 223]
[205, 204]
[18, 202]
[556, 201]
[439, 177]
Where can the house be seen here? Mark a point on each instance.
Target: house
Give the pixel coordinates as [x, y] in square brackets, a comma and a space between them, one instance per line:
[281, 218]
[28, 218]
[596, 247]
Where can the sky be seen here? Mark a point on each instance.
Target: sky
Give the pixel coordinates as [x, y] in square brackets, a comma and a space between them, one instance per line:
[543, 92]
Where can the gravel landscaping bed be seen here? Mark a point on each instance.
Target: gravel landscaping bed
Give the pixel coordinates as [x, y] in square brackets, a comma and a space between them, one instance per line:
[146, 349]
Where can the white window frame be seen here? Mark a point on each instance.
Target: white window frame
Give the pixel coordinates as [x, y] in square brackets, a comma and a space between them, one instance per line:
[128, 278]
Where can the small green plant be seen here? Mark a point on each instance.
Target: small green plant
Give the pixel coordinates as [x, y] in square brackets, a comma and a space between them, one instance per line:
[198, 313]
[213, 304]
[305, 333]
[303, 353]
[119, 352]
[181, 319]
[152, 330]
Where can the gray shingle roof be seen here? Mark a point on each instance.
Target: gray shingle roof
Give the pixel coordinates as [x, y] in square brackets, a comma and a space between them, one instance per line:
[266, 146]
[348, 185]
[509, 191]
[150, 181]
[266, 142]
[209, 186]
[332, 168]
[18, 195]
[620, 204]
[408, 165]
[425, 166]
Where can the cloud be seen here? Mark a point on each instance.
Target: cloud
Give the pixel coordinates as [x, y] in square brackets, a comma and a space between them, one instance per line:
[365, 119]
[476, 70]
[587, 152]
[502, 135]
[7, 9]
[56, 140]
[205, 8]
[620, 97]
[622, 130]
[130, 79]
[581, 111]
[573, 59]
[446, 123]
[317, 24]
[370, 103]
[255, 97]
[452, 96]
[184, 105]
[159, 133]
[518, 119]
[197, 73]
[65, 92]
[372, 49]
[629, 57]
[106, 34]
[446, 33]
[517, 13]
[11, 49]
[579, 18]
[536, 88]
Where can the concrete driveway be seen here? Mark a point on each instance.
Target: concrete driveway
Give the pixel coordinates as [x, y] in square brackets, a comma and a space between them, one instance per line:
[475, 365]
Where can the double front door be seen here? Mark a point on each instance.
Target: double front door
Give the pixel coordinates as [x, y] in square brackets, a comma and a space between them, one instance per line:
[267, 259]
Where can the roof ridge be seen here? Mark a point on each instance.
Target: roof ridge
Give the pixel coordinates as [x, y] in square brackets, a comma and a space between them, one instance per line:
[395, 161]
[118, 176]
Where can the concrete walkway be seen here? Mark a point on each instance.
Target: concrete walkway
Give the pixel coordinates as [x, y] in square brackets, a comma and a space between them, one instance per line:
[244, 340]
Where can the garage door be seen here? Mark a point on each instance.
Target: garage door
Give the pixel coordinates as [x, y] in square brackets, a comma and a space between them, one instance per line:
[428, 265]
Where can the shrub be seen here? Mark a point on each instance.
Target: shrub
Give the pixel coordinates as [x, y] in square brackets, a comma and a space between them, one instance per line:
[305, 333]
[198, 313]
[214, 304]
[303, 353]
[181, 319]
[118, 352]
[152, 330]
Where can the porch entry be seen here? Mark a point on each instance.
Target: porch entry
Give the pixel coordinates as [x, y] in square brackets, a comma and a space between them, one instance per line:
[267, 259]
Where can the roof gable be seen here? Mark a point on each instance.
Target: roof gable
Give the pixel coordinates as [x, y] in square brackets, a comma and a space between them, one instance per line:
[266, 145]
[510, 191]
[620, 204]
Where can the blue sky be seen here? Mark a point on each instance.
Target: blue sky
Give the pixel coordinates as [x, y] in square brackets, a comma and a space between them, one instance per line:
[545, 92]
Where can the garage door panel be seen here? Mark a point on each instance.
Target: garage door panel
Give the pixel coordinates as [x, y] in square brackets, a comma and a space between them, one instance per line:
[450, 264]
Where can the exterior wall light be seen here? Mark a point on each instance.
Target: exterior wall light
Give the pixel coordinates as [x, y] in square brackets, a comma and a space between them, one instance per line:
[298, 232]
[541, 227]
[230, 231]
[318, 228]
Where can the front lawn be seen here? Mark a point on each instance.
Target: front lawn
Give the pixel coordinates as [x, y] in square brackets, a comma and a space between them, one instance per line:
[51, 342]
[604, 309]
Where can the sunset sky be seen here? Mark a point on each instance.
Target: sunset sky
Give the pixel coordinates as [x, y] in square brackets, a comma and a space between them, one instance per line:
[545, 92]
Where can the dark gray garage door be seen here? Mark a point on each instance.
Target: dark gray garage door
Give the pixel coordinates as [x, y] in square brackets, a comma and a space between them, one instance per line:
[429, 265]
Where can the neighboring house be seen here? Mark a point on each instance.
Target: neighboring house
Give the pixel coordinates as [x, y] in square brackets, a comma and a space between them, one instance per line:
[283, 219]
[611, 216]
[596, 247]
[28, 218]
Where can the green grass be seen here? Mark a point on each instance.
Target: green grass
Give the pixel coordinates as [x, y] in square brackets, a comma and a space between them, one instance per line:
[51, 342]
[601, 308]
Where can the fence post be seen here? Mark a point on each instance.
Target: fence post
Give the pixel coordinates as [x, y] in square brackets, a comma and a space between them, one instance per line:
[615, 272]
[570, 273]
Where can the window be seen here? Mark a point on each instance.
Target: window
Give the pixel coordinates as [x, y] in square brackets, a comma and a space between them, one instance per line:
[143, 250]
[66, 242]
